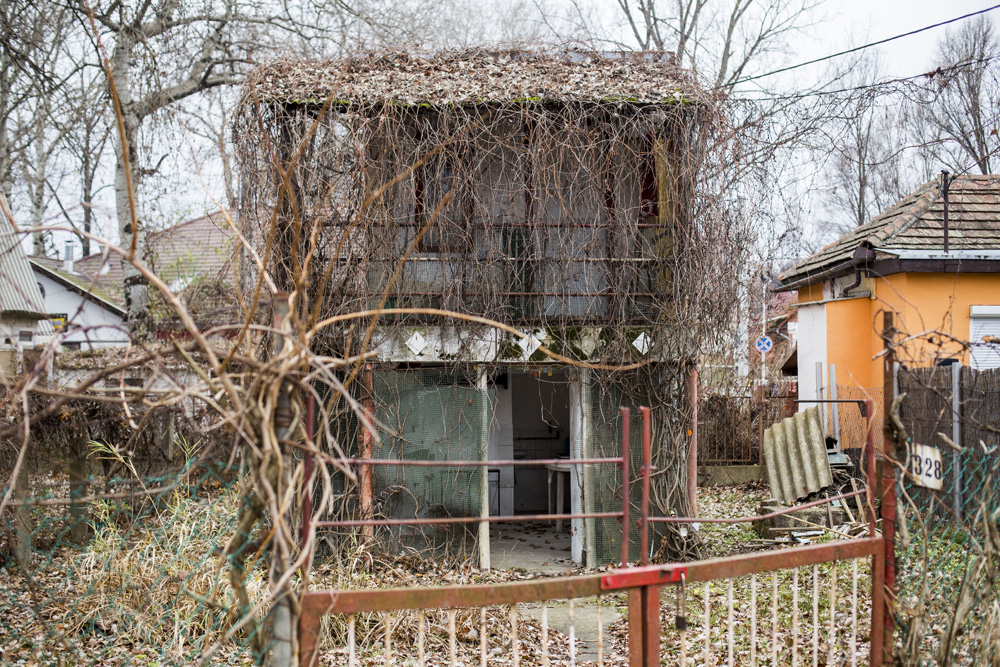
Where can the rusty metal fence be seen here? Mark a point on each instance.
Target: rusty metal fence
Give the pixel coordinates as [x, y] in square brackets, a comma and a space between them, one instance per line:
[800, 605]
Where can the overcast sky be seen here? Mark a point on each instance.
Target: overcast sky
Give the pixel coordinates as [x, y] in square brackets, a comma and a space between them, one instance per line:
[856, 22]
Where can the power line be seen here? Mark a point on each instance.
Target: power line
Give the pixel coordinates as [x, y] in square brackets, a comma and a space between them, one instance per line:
[877, 84]
[858, 48]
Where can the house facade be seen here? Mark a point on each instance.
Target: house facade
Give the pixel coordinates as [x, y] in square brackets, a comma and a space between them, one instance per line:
[84, 314]
[504, 226]
[24, 325]
[941, 282]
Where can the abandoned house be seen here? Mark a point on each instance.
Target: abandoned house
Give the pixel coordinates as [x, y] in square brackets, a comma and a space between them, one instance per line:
[550, 193]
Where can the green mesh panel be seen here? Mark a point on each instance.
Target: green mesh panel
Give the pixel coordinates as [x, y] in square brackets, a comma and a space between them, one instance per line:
[429, 415]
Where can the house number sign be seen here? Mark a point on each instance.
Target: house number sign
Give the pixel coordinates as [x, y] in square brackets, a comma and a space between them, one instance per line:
[924, 466]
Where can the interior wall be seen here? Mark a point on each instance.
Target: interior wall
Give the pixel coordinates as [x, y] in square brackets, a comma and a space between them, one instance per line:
[541, 430]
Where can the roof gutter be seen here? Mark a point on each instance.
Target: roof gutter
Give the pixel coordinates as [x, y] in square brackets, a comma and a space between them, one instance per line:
[835, 270]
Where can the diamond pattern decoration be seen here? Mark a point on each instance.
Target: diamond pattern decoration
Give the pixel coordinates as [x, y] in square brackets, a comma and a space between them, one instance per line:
[416, 343]
[529, 344]
[642, 342]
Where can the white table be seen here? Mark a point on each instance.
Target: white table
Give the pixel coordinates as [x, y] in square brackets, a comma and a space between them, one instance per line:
[561, 471]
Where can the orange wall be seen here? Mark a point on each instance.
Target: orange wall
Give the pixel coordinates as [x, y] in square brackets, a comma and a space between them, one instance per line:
[921, 302]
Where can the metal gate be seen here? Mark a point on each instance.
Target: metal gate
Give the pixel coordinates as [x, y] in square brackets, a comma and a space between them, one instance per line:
[796, 613]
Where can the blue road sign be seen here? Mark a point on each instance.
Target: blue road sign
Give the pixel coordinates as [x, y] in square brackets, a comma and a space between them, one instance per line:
[764, 344]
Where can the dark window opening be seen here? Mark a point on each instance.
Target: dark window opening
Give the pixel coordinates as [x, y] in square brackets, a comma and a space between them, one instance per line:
[649, 199]
[24, 336]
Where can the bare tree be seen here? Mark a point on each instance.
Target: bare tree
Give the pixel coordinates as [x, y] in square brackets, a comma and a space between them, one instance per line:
[871, 156]
[961, 102]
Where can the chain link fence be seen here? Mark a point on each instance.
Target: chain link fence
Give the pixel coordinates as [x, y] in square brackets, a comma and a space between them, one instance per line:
[948, 546]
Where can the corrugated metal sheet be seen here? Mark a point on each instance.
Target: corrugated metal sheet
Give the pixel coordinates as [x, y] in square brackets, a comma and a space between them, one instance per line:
[19, 293]
[795, 456]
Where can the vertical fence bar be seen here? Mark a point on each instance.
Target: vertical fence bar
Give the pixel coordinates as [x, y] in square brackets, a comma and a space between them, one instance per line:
[646, 457]
[387, 620]
[815, 622]
[482, 637]
[854, 612]
[877, 648]
[831, 639]
[795, 617]
[956, 435]
[753, 620]
[731, 622]
[888, 484]
[626, 417]
[421, 636]
[352, 650]
[774, 620]
[650, 594]
[708, 623]
[545, 635]
[514, 645]
[572, 635]
[452, 639]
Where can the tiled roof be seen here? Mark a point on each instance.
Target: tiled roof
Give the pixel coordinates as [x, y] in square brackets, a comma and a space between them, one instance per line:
[198, 248]
[19, 293]
[917, 224]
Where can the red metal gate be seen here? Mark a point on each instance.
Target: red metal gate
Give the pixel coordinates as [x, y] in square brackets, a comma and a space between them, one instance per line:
[644, 586]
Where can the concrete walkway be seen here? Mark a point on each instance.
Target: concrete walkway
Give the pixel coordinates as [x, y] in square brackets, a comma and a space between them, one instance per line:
[536, 547]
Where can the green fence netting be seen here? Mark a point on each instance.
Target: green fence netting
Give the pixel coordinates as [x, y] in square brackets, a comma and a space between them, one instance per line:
[948, 548]
[131, 574]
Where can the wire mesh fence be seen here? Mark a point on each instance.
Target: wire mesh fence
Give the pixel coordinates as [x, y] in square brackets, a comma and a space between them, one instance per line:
[133, 574]
[947, 547]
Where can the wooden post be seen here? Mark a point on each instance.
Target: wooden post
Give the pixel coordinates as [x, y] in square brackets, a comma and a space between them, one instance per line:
[889, 438]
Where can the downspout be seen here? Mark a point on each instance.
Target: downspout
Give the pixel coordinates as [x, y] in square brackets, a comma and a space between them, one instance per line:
[862, 256]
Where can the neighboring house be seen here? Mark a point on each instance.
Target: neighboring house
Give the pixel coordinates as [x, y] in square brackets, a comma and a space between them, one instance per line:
[23, 322]
[546, 196]
[84, 298]
[85, 313]
[904, 262]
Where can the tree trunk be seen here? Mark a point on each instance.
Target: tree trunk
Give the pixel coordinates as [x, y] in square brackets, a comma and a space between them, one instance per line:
[130, 228]
[77, 469]
[23, 523]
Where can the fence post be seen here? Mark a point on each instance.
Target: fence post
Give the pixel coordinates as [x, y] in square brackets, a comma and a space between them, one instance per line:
[649, 595]
[891, 456]
[956, 434]
[626, 416]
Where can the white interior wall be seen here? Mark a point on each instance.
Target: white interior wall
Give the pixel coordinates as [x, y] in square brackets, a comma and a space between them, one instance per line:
[501, 446]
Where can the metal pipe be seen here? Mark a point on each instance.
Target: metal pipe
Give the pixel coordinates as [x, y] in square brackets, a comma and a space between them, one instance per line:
[467, 519]
[422, 463]
[646, 467]
[761, 517]
[626, 416]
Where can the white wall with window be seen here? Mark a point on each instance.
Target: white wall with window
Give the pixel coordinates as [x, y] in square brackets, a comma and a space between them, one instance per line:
[984, 336]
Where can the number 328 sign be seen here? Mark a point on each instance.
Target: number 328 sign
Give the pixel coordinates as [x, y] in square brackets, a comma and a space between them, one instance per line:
[924, 466]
